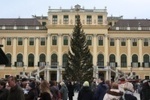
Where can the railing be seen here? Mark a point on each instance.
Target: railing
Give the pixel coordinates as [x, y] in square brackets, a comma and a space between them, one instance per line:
[54, 64]
[135, 64]
[146, 64]
[100, 64]
[19, 64]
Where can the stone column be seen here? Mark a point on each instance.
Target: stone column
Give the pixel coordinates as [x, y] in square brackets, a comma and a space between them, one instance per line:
[106, 49]
[48, 49]
[95, 55]
[48, 76]
[14, 55]
[140, 52]
[129, 53]
[117, 53]
[25, 55]
[36, 51]
[59, 71]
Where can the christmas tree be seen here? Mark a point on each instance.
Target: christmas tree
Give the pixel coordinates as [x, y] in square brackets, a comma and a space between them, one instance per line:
[79, 64]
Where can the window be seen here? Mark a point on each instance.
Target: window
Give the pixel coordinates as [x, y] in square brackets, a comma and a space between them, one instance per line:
[89, 19]
[134, 58]
[123, 42]
[54, 40]
[76, 18]
[112, 58]
[89, 40]
[19, 62]
[100, 19]
[42, 41]
[145, 42]
[42, 58]
[54, 62]
[65, 59]
[146, 58]
[123, 60]
[9, 41]
[112, 42]
[43, 23]
[65, 42]
[147, 77]
[54, 19]
[100, 61]
[31, 41]
[19, 58]
[31, 60]
[100, 40]
[66, 19]
[20, 41]
[134, 42]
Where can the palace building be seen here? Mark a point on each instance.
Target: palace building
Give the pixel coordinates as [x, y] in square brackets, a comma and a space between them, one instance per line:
[40, 44]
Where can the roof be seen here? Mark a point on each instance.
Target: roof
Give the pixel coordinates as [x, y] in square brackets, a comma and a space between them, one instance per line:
[132, 23]
[19, 22]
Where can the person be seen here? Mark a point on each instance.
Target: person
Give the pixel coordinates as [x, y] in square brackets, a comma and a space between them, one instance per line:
[121, 84]
[45, 91]
[113, 93]
[70, 90]
[146, 91]
[85, 93]
[32, 94]
[54, 90]
[93, 85]
[16, 92]
[108, 84]
[128, 92]
[3, 91]
[101, 89]
[64, 91]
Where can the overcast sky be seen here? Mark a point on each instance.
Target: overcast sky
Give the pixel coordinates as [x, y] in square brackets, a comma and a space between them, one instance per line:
[129, 9]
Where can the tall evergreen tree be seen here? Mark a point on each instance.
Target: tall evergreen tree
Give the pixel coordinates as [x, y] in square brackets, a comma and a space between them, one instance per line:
[79, 65]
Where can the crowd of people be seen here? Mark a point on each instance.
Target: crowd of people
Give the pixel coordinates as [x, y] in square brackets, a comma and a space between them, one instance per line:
[99, 89]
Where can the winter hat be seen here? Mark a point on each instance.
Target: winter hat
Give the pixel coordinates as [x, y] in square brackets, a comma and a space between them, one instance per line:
[86, 83]
[32, 85]
[128, 86]
[62, 83]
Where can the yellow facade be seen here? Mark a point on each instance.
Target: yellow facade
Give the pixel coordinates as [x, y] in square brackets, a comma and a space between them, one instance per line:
[59, 24]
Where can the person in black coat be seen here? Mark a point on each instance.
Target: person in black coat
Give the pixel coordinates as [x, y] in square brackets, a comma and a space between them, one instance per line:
[3, 91]
[70, 87]
[85, 93]
[146, 91]
[33, 93]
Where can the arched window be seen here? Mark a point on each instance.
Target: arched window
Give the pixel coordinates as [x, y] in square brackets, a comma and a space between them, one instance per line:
[31, 60]
[146, 58]
[112, 58]
[100, 61]
[9, 58]
[123, 60]
[54, 61]
[42, 58]
[65, 59]
[112, 61]
[134, 58]
[19, 58]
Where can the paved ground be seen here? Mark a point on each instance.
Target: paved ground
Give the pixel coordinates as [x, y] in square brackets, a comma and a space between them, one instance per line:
[76, 95]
